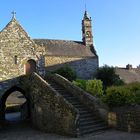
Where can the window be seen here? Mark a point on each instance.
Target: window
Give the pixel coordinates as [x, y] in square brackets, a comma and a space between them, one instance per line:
[15, 59]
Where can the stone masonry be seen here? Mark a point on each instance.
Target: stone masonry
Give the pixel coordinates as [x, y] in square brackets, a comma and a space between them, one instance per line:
[85, 67]
[16, 48]
[49, 111]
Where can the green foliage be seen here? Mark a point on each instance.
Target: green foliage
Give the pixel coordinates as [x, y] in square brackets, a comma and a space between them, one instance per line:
[66, 72]
[119, 96]
[80, 83]
[123, 95]
[137, 97]
[94, 87]
[108, 76]
[133, 87]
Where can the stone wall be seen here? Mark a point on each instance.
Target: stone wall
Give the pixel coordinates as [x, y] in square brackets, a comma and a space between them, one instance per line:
[93, 103]
[126, 118]
[7, 84]
[50, 112]
[16, 48]
[85, 67]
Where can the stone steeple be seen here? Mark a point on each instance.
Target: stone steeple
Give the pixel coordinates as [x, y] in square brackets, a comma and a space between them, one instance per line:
[87, 30]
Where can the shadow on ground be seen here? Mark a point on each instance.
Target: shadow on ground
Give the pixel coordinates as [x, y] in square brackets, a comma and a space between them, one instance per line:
[23, 131]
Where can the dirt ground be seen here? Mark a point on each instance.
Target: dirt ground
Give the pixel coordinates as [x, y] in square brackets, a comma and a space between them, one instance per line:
[26, 132]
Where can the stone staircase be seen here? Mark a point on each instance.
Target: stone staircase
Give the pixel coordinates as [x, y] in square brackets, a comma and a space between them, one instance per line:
[89, 122]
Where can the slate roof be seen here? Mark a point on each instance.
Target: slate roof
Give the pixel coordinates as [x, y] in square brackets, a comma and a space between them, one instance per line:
[65, 48]
[129, 75]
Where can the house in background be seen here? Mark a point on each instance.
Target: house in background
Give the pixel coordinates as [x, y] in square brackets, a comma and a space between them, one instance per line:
[128, 74]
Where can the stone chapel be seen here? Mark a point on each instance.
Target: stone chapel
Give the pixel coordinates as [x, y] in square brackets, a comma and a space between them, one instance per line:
[20, 54]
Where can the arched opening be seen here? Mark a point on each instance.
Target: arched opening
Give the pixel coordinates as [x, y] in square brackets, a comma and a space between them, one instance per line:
[14, 105]
[30, 66]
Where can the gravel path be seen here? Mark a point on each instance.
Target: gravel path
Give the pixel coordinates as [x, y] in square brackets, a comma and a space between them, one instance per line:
[16, 132]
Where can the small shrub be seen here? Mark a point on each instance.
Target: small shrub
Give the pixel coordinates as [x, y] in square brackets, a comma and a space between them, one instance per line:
[80, 83]
[66, 72]
[95, 87]
[134, 87]
[116, 96]
[137, 97]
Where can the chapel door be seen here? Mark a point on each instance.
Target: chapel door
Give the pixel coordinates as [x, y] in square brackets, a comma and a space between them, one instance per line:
[30, 67]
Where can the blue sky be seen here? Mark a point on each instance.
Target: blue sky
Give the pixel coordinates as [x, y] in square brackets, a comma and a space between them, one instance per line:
[116, 24]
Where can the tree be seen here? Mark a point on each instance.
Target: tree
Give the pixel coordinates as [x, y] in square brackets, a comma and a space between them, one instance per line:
[66, 72]
[108, 76]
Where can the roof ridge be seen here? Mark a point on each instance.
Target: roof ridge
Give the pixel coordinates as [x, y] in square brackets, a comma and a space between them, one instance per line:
[56, 39]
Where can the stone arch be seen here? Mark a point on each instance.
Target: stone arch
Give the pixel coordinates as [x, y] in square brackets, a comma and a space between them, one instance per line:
[5, 96]
[30, 66]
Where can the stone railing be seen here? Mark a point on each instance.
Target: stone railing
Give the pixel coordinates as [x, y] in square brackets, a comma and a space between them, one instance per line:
[93, 103]
[50, 112]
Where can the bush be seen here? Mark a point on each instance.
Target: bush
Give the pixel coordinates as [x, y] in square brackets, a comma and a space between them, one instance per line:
[94, 87]
[123, 95]
[133, 87]
[80, 83]
[66, 72]
[137, 97]
[119, 96]
[108, 76]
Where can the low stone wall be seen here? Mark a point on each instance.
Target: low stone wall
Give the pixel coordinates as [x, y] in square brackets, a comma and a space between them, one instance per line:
[50, 112]
[94, 104]
[125, 118]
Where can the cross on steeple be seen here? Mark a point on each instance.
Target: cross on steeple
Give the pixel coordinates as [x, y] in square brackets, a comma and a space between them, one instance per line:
[14, 14]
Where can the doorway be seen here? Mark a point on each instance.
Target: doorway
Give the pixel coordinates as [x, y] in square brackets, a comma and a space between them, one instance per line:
[30, 66]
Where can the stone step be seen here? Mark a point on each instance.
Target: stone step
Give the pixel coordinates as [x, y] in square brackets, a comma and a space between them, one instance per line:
[79, 106]
[82, 112]
[91, 126]
[75, 103]
[66, 95]
[89, 122]
[92, 130]
[86, 119]
[69, 98]
[60, 92]
[86, 115]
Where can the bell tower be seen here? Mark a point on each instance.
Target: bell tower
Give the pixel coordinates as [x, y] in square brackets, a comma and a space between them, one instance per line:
[87, 30]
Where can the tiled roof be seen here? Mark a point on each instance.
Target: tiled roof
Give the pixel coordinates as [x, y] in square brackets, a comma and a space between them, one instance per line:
[65, 48]
[129, 75]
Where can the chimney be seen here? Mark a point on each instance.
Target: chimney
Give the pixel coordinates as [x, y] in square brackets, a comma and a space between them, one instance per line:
[129, 67]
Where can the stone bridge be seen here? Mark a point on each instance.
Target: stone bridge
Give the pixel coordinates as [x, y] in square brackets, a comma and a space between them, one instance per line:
[52, 110]
[47, 110]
